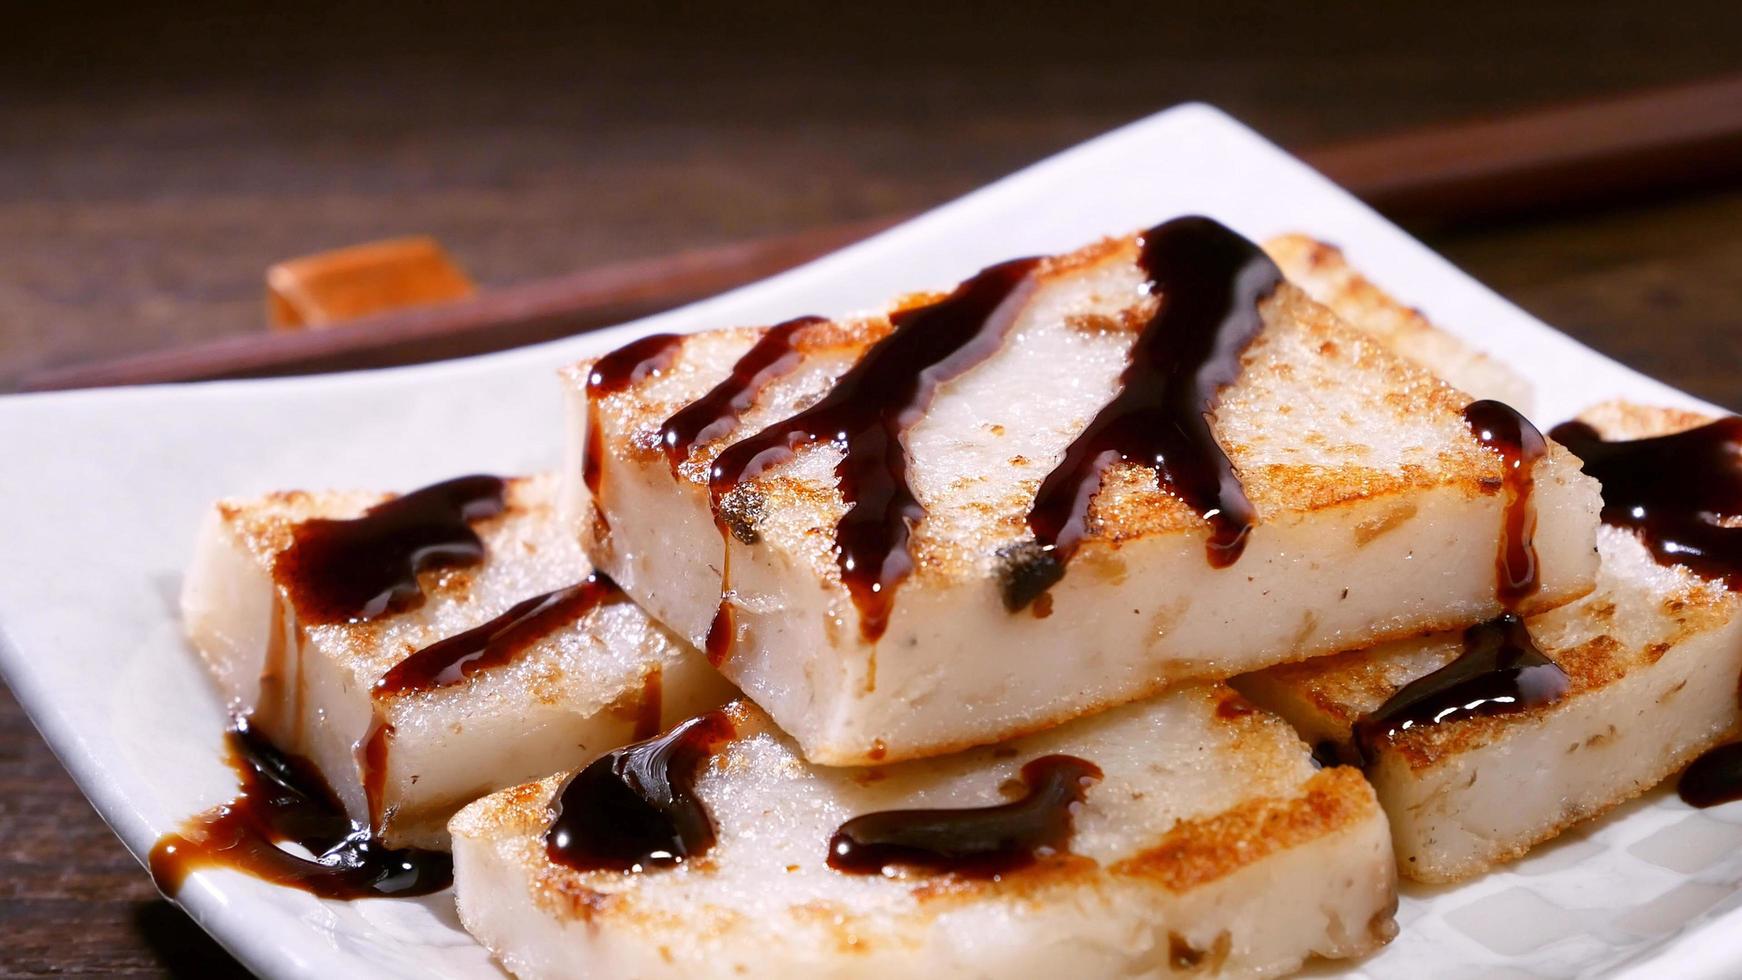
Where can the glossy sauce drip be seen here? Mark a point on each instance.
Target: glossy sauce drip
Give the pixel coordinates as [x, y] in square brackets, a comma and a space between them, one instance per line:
[371, 756]
[1713, 778]
[720, 634]
[712, 416]
[352, 570]
[1500, 671]
[635, 808]
[497, 642]
[1210, 282]
[283, 799]
[627, 365]
[1328, 753]
[1499, 427]
[1682, 493]
[867, 412]
[980, 842]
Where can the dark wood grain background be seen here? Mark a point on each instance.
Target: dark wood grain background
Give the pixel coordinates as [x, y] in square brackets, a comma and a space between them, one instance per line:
[153, 162]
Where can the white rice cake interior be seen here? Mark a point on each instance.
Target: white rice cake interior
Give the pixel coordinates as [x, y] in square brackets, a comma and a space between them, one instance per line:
[1326, 275]
[1378, 515]
[573, 694]
[1654, 658]
[1212, 845]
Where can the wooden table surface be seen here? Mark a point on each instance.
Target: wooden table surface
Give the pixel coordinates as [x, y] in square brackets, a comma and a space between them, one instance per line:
[152, 165]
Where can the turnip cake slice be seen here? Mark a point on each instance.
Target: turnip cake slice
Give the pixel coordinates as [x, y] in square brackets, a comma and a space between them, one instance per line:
[1649, 663]
[1187, 834]
[425, 655]
[1326, 275]
[1148, 461]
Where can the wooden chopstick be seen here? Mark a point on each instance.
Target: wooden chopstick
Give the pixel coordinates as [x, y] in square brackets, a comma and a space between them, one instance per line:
[1547, 159]
[1551, 158]
[497, 319]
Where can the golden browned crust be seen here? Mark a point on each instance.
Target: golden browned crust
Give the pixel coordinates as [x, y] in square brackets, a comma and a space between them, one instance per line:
[1031, 884]
[1590, 665]
[634, 418]
[1305, 351]
[1120, 249]
[1322, 269]
[1196, 852]
[1344, 687]
[1131, 505]
[703, 907]
[1584, 640]
[267, 525]
[511, 812]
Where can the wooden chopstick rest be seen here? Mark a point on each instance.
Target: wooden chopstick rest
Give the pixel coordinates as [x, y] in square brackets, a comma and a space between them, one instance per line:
[327, 288]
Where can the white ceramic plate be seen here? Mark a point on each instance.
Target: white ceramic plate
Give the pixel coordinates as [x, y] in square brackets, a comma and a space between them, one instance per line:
[100, 493]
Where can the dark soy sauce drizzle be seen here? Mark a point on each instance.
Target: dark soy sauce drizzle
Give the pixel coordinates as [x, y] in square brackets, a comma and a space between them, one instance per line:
[980, 842]
[1713, 778]
[1328, 753]
[497, 642]
[712, 416]
[1500, 672]
[627, 365]
[1499, 427]
[449, 662]
[720, 634]
[1675, 491]
[635, 808]
[371, 756]
[283, 799]
[1211, 282]
[867, 412]
[353, 570]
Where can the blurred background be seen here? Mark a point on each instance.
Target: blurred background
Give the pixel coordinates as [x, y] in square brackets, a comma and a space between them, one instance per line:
[153, 163]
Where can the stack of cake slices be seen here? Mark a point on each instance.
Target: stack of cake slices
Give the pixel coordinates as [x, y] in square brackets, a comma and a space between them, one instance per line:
[1136, 611]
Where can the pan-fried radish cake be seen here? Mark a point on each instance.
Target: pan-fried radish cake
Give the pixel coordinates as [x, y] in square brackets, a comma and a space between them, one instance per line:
[1325, 274]
[1187, 834]
[1062, 485]
[1484, 743]
[422, 650]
